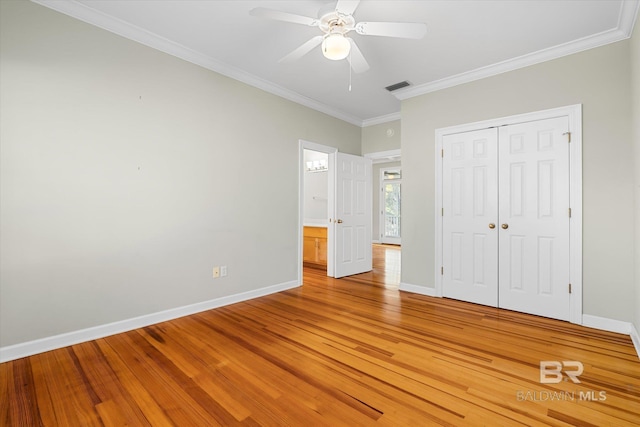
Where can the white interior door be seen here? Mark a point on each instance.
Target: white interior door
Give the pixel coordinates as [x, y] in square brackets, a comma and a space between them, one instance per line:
[534, 218]
[353, 217]
[470, 215]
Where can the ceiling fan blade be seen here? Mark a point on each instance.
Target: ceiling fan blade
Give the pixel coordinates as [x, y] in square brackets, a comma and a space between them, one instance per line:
[356, 58]
[347, 7]
[405, 30]
[302, 50]
[283, 16]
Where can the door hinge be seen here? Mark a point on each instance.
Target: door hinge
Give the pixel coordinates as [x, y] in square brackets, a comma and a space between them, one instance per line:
[568, 136]
[442, 152]
[442, 271]
[569, 287]
[569, 212]
[442, 211]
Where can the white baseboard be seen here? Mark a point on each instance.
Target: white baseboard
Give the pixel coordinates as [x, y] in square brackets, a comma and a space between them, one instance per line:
[588, 320]
[612, 325]
[422, 290]
[606, 324]
[30, 348]
[635, 337]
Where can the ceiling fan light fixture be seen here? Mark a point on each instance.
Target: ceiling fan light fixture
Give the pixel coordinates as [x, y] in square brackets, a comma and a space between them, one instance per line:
[335, 46]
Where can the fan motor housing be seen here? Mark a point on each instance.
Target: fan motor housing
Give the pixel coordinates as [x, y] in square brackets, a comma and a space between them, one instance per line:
[332, 21]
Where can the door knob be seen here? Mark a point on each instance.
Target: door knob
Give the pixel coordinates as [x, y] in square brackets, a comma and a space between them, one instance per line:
[339, 221]
[492, 226]
[505, 226]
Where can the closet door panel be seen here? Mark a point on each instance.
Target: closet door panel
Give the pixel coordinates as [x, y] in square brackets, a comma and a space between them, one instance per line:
[470, 206]
[534, 218]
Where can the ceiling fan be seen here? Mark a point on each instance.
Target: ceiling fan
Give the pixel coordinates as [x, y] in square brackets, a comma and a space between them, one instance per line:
[336, 22]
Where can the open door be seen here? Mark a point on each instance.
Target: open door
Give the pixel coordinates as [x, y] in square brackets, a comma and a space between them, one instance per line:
[352, 221]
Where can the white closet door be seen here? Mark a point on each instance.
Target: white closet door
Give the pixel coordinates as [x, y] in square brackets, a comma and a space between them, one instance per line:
[534, 218]
[470, 210]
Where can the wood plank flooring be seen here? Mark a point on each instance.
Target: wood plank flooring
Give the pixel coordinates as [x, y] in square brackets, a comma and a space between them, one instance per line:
[348, 352]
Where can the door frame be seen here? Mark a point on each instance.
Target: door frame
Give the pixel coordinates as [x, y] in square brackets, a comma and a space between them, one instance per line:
[574, 113]
[331, 151]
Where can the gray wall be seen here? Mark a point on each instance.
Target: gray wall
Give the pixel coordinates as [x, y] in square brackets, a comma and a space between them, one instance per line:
[635, 121]
[600, 80]
[375, 138]
[127, 174]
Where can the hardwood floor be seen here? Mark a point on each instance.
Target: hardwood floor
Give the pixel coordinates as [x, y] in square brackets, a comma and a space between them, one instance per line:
[352, 352]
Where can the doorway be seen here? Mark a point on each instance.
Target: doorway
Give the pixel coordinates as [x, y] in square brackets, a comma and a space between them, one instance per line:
[509, 225]
[330, 153]
[315, 209]
[347, 218]
[390, 206]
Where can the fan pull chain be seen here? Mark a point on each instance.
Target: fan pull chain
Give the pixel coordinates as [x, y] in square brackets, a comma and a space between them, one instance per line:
[350, 68]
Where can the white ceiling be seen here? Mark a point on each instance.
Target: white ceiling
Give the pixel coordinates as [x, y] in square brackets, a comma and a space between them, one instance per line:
[465, 40]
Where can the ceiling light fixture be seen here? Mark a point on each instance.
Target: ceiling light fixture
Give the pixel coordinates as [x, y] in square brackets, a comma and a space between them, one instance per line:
[335, 20]
[335, 46]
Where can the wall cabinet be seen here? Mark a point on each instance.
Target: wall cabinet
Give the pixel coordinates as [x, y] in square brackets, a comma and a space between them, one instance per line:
[315, 247]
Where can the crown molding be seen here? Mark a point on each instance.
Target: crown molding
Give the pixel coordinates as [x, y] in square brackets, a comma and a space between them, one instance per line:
[626, 21]
[381, 119]
[628, 16]
[122, 28]
[385, 156]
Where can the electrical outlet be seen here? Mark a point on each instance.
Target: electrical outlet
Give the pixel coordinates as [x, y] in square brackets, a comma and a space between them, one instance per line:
[216, 272]
[223, 271]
